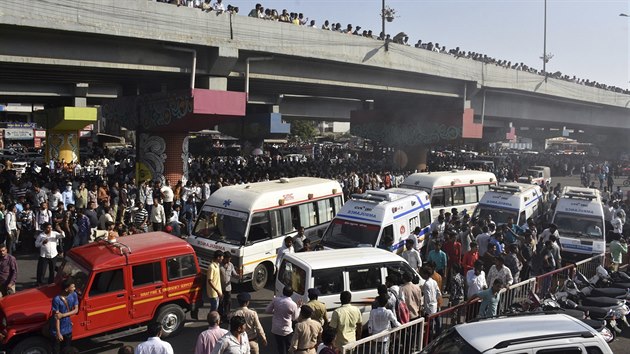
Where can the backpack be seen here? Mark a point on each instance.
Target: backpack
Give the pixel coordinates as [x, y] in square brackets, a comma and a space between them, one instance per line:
[402, 311]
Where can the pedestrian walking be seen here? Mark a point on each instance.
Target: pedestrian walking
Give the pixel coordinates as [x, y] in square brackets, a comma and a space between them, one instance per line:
[284, 311]
[154, 345]
[64, 305]
[213, 276]
[227, 271]
[346, 320]
[8, 272]
[235, 341]
[47, 242]
[253, 328]
[207, 340]
[307, 333]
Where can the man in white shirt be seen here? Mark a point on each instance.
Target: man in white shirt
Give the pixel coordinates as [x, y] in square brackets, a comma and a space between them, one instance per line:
[476, 279]
[382, 319]
[287, 247]
[158, 216]
[154, 345]
[431, 292]
[500, 271]
[218, 7]
[167, 198]
[617, 224]
[47, 243]
[482, 240]
[552, 230]
[411, 255]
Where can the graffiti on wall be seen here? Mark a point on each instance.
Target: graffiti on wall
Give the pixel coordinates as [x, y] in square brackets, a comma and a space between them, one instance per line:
[149, 111]
[409, 133]
[152, 157]
[63, 145]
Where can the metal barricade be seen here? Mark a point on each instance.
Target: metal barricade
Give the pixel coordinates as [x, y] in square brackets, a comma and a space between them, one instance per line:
[405, 339]
[439, 321]
[551, 281]
[589, 266]
[516, 293]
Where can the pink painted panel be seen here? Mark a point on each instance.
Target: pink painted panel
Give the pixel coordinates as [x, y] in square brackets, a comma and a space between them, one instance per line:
[470, 129]
[229, 103]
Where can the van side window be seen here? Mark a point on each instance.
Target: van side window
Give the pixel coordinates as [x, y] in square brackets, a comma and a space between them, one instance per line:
[328, 281]
[470, 194]
[260, 228]
[396, 270]
[107, 282]
[293, 276]
[147, 273]
[287, 221]
[437, 197]
[593, 350]
[181, 267]
[482, 189]
[365, 277]
[387, 237]
[337, 201]
[458, 195]
[324, 210]
[521, 218]
[567, 350]
[425, 218]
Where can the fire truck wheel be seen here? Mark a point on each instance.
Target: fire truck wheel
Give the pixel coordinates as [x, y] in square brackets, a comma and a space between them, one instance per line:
[172, 319]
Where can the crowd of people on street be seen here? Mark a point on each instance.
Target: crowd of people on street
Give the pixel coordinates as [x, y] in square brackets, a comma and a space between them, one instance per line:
[53, 207]
[297, 18]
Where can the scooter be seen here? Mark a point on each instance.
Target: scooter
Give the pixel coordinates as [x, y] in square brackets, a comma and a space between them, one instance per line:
[597, 304]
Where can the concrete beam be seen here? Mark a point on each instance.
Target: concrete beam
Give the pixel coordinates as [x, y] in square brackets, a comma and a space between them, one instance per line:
[32, 89]
[318, 108]
[222, 60]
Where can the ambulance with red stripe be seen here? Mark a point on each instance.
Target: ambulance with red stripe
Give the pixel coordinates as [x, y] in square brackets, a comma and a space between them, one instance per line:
[251, 221]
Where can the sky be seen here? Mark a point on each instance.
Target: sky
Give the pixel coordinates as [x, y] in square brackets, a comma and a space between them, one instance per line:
[587, 38]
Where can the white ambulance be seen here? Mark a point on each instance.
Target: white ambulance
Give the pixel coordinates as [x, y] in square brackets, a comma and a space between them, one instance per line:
[252, 220]
[518, 201]
[579, 216]
[383, 219]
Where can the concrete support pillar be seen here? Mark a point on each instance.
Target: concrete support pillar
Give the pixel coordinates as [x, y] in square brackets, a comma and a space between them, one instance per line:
[212, 83]
[62, 145]
[417, 157]
[163, 155]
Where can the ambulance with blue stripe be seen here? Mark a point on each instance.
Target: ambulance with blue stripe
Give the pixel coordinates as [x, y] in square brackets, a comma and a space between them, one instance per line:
[518, 201]
[579, 216]
[382, 219]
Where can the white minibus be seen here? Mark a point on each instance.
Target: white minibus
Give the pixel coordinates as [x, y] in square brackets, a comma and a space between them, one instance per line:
[383, 219]
[251, 221]
[359, 271]
[518, 201]
[452, 189]
[579, 216]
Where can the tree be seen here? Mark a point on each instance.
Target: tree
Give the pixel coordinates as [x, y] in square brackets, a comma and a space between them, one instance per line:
[303, 129]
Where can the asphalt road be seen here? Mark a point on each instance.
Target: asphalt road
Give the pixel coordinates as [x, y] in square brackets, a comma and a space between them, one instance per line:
[184, 343]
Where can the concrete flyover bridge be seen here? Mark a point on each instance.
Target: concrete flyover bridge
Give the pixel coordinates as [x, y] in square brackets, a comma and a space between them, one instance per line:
[256, 71]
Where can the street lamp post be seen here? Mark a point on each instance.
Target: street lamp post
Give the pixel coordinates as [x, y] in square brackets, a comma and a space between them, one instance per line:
[387, 14]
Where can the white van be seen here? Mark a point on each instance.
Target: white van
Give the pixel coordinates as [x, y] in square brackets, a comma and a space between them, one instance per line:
[357, 270]
[252, 220]
[452, 189]
[383, 219]
[579, 216]
[519, 201]
[531, 334]
[537, 174]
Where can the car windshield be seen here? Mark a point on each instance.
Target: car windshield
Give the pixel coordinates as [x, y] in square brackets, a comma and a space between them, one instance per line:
[449, 342]
[346, 234]
[578, 226]
[71, 269]
[499, 216]
[221, 225]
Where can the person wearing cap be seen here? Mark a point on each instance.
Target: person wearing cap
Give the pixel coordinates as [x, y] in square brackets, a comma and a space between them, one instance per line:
[253, 328]
[307, 333]
[213, 288]
[319, 308]
[207, 340]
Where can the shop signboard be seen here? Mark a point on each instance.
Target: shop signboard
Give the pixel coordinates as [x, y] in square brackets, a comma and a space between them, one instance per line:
[18, 134]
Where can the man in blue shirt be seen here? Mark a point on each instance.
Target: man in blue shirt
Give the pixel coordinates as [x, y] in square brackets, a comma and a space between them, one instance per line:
[63, 306]
[489, 300]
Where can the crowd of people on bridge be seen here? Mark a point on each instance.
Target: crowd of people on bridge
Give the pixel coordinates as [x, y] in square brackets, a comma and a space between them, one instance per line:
[298, 18]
